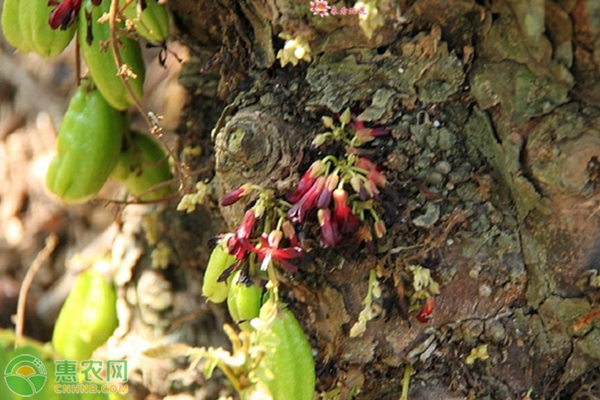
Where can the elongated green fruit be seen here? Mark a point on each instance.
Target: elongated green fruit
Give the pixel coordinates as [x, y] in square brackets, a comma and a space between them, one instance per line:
[89, 144]
[243, 302]
[88, 317]
[151, 23]
[290, 362]
[93, 40]
[25, 26]
[142, 166]
[219, 261]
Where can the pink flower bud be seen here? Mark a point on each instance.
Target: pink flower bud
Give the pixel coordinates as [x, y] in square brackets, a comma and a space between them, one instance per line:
[330, 236]
[377, 177]
[245, 228]
[325, 197]
[380, 229]
[365, 163]
[233, 196]
[364, 135]
[290, 233]
[308, 179]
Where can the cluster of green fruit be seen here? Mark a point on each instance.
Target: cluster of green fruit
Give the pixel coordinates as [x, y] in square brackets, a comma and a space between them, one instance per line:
[95, 140]
[288, 360]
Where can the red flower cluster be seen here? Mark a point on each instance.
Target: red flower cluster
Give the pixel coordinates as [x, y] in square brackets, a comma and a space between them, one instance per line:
[240, 245]
[317, 189]
[321, 193]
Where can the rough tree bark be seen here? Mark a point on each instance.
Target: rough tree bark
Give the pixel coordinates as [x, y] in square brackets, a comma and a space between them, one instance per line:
[493, 167]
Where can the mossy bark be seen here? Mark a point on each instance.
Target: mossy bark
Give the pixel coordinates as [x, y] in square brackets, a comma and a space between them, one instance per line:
[492, 167]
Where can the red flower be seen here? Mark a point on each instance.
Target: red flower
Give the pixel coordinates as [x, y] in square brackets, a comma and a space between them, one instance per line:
[269, 251]
[245, 228]
[63, 16]
[342, 213]
[425, 314]
[307, 202]
[330, 235]
[307, 180]
[238, 243]
[325, 197]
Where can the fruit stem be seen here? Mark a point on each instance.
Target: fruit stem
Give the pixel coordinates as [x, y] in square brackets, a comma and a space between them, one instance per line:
[408, 370]
[153, 125]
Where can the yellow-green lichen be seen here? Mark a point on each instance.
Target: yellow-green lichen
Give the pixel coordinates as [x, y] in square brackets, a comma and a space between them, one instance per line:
[294, 50]
[478, 353]
[369, 18]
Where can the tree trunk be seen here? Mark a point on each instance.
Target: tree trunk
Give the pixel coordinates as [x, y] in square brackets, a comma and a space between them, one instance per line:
[492, 163]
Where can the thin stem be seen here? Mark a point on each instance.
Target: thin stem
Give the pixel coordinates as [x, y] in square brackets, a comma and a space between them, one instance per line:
[77, 63]
[42, 256]
[114, 41]
[408, 370]
[152, 123]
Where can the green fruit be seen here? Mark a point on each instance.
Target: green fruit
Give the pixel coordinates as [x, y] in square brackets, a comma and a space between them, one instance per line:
[25, 26]
[142, 166]
[290, 361]
[152, 23]
[89, 144]
[243, 302]
[101, 64]
[88, 317]
[219, 261]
